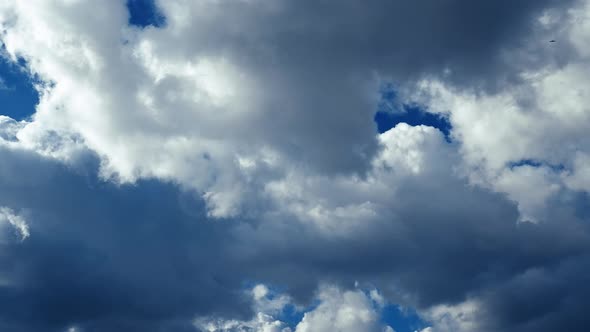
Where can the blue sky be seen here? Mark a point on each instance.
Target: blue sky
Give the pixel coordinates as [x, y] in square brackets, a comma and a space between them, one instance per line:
[389, 114]
[143, 13]
[225, 166]
[17, 95]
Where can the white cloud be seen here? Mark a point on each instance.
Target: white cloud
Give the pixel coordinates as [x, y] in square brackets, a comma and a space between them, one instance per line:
[461, 317]
[266, 304]
[158, 106]
[337, 310]
[9, 128]
[530, 187]
[150, 110]
[544, 119]
[17, 222]
[344, 205]
[344, 311]
[260, 323]
[3, 85]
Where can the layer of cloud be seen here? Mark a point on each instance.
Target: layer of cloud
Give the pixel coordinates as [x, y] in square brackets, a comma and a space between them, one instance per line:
[181, 102]
[342, 311]
[529, 139]
[166, 167]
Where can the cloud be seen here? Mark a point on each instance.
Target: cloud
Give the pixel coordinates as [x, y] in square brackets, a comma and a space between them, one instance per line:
[131, 257]
[166, 167]
[7, 216]
[458, 317]
[527, 139]
[336, 310]
[342, 311]
[180, 102]
[267, 305]
[3, 85]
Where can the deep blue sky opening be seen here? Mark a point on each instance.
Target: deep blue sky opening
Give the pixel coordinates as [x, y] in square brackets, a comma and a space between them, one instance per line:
[537, 163]
[290, 316]
[143, 13]
[390, 112]
[402, 321]
[18, 96]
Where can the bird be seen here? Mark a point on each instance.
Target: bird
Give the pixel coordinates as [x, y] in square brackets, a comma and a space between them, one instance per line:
[552, 41]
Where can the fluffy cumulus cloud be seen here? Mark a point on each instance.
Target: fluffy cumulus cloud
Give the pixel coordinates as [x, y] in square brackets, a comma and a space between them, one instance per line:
[342, 311]
[222, 171]
[530, 138]
[336, 310]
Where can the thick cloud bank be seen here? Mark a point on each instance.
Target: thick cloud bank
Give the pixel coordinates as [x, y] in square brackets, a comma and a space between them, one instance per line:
[222, 171]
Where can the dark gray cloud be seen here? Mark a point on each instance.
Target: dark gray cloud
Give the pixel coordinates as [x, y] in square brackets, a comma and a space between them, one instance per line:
[133, 258]
[403, 40]
[460, 242]
[547, 298]
[107, 257]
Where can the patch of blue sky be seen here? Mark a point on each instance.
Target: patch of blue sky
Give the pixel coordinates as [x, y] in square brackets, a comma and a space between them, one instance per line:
[391, 112]
[18, 96]
[536, 164]
[144, 13]
[291, 315]
[402, 319]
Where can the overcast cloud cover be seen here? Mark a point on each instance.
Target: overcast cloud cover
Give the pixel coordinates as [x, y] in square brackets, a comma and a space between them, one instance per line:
[221, 170]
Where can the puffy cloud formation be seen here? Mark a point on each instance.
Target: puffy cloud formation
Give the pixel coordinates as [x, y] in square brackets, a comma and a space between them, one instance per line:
[167, 168]
[342, 311]
[530, 139]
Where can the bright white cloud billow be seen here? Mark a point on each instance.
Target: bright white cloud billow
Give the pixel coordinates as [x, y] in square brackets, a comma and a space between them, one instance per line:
[166, 167]
[543, 118]
[342, 311]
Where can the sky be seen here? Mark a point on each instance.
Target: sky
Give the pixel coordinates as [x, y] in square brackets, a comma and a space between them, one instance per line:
[294, 166]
